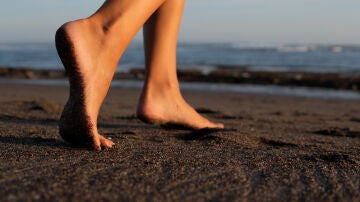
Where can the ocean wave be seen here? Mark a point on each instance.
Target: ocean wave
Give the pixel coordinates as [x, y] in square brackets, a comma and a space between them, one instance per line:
[296, 48]
[256, 55]
[27, 47]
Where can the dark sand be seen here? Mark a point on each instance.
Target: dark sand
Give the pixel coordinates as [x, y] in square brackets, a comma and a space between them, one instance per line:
[275, 148]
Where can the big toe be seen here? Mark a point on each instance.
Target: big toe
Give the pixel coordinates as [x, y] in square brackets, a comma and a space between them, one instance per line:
[209, 124]
[217, 125]
[96, 143]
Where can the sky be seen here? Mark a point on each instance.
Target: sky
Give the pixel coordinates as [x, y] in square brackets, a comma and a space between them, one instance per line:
[267, 21]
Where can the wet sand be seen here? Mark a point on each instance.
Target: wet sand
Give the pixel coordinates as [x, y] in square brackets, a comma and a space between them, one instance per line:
[221, 74]
[273, 148]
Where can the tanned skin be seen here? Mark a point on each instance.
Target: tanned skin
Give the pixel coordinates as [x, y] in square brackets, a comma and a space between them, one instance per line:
[90, 50]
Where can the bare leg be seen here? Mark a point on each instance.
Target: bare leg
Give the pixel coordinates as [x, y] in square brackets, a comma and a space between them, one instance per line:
[90, 49]
[161, 101]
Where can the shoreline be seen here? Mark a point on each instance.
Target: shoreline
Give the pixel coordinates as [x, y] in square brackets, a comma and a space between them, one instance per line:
[219, 75]
[293, 91]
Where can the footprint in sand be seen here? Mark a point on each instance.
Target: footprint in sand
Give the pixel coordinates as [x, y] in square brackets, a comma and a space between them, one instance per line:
[276, 143]
[330, 158]
[339, 132]
[355, 119]
[211, 137]
[45, 106]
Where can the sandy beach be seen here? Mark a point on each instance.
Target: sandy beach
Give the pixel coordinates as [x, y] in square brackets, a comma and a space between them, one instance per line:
[274, 148]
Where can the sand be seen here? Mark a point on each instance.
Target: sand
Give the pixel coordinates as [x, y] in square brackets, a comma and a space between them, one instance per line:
[274, 148]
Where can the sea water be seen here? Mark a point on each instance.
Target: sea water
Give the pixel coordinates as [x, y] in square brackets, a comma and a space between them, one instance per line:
[206, 56]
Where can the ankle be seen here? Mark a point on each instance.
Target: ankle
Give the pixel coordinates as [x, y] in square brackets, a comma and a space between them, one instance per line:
[152, 96]
[161, 85]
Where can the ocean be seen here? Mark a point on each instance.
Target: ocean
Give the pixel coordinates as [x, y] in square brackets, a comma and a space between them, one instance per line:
[206, 56]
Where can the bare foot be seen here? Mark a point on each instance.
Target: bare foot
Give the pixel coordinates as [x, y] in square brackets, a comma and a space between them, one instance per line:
[80, 51]
[168, 108]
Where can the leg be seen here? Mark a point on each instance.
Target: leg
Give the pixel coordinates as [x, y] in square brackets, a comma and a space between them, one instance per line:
[161, 101]
[90, 49]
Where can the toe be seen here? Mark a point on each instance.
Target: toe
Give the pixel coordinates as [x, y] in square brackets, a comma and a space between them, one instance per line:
[219, 125]
[216, 125]
[106, 142]
[96, 143]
